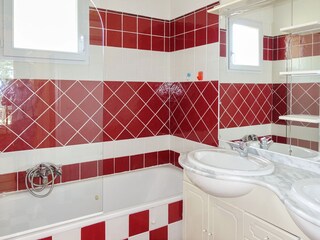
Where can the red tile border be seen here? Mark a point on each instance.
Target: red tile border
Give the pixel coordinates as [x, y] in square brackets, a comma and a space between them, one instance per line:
[73, 172]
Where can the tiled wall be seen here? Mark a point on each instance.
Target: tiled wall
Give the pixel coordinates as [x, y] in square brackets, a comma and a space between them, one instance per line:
[129, 31]
[163, 222]
[245, 104]
[194, 111]
[53, 113]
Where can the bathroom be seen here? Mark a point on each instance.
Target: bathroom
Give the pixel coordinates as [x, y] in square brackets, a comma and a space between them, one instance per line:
[139, 84]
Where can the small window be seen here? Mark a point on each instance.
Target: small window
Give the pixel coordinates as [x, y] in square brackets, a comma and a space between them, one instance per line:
[245, 45]
[51, 29]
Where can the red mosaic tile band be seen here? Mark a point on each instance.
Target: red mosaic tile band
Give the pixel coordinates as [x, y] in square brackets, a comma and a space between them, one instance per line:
[194, 29]
[73, 172]
[51, 113]
[123, 30]
[194, 111]
[245, 104]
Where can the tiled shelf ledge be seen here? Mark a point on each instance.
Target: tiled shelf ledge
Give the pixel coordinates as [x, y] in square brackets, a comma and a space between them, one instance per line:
[300, 73]
[304, 28]
[301, 118]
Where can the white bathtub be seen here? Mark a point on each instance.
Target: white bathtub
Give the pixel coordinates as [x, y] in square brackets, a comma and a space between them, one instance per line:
[79, 204]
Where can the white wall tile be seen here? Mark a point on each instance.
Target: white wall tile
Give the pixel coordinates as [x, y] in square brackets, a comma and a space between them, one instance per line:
[92, 70]
[142, 236]
[232, 76]
[175, 231]
[239, 132]
[68, 235]
[158, 217]
[213, 61]
[182, 145]
[117, 228]
[22, 160]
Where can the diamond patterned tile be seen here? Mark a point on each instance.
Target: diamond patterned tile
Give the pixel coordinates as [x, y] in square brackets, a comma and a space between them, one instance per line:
[245, 104]
[191, 105]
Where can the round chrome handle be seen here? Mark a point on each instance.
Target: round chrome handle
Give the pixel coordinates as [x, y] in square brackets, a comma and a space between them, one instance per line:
[210, 234]
[266, 238]
[204, 230]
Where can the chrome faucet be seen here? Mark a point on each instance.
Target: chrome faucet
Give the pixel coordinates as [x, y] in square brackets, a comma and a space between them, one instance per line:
[241, 147]
[265, 142]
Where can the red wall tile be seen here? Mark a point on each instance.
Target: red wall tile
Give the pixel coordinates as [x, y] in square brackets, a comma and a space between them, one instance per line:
[175, 212]
[113, 38]
[89, 169]
[144, 25]
[136, 161]
[121, 164]
[130, 40]
[114, 21]
[8, 182]
[70, 172]
[138, 223]
[95, 231]
[151, 159]
[159, 234]
[130, 23]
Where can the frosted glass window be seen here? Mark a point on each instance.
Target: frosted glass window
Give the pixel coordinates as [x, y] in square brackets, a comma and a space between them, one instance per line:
[245, 45]
[53, 29]
[53, 26]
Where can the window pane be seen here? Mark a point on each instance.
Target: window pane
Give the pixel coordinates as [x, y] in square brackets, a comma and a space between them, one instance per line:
[53, 27]
[245, 45]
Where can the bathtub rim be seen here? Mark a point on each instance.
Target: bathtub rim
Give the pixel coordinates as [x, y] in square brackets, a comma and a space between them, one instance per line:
[38, 233]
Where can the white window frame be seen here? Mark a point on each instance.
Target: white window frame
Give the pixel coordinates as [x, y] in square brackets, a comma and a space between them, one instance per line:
[42, 55]
[249, 23]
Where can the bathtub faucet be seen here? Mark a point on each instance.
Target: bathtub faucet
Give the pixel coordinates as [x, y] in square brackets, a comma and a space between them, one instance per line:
[241, 147]
[47, 172]
[265, 142]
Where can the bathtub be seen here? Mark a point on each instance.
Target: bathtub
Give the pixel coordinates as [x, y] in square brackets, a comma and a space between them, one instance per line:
[76, 205]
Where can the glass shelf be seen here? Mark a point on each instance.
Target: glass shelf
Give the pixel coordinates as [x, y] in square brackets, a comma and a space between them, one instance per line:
[301, 118]
[300, 73]
[309, 27]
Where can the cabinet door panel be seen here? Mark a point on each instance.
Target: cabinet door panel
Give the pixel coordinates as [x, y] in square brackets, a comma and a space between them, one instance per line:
[257, 229]
[227, 222]
[195, 209]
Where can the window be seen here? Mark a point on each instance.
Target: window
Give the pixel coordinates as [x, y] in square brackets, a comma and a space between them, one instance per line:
[245, 45]
[51, 29]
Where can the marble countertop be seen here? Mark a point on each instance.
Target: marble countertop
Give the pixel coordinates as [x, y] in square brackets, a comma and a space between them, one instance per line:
[287, 171]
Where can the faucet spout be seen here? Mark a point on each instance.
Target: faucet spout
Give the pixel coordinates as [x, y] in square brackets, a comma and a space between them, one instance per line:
[265, 142]
[241, 147]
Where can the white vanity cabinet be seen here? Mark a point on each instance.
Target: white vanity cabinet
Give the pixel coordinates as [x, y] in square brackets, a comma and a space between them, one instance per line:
[195, 212]
[205, 217]
[257, 229]
[256, 216]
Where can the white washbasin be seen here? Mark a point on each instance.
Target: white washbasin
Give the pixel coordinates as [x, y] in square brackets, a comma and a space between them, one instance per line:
[306, 193]
[214, 170]
[222, 161]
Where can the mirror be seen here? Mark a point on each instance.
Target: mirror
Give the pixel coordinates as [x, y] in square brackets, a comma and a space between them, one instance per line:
[280, 99]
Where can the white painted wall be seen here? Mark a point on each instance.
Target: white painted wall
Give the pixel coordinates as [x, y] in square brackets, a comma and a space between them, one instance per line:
[182, 7]
[151, 8]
